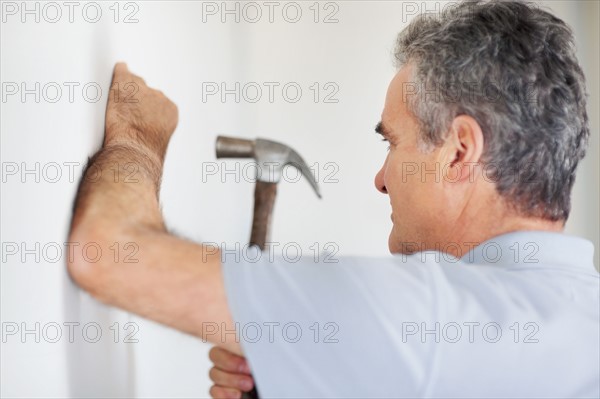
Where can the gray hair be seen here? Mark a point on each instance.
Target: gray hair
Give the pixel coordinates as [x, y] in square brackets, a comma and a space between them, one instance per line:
[512, 67]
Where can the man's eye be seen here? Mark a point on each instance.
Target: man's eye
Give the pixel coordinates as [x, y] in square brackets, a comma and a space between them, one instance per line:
[389, 146]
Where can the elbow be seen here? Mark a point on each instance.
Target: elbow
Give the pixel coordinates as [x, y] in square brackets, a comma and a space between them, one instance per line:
[87, 263]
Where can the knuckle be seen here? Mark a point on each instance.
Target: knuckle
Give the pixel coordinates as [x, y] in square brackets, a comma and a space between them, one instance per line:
[233, 393]
[231, 363]
[238, 363]
[213, 353]
[214, 391]
[225, 361]
[213, 374]
[220, 392]
[221, 377]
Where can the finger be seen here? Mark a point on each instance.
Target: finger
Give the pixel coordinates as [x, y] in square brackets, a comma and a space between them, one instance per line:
[119, 71]
[228, 361]
[219, 392]
[240, 381]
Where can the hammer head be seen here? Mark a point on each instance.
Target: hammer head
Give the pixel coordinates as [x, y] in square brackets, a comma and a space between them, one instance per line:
[271, 157]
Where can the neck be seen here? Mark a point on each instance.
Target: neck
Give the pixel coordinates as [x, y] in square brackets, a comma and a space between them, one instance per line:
[489, 222]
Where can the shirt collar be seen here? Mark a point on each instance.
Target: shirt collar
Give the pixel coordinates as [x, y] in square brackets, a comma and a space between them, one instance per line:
[531, 248]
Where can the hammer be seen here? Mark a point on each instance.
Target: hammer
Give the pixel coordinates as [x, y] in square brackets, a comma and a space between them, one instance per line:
[271, 157]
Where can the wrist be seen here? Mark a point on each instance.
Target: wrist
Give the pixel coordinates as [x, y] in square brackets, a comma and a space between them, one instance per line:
[147, 142]
[128, 140]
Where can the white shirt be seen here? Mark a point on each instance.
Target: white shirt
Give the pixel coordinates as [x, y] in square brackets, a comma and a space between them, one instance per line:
[518, 316]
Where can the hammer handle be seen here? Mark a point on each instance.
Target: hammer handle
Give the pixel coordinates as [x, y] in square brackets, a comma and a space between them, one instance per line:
[253, 394]
[264, 199]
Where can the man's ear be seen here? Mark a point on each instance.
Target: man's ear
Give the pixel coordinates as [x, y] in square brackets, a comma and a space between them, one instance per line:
[462, 150]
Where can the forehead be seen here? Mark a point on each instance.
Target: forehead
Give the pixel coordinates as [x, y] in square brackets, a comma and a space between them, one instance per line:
[395, 110]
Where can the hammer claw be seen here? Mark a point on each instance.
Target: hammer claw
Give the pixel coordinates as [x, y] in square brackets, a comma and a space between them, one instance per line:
[270, 157]
[296, 160]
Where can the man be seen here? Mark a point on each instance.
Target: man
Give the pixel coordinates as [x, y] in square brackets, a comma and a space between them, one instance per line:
[484, 295]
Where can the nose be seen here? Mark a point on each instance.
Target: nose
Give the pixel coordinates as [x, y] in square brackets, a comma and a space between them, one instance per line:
[379, 180]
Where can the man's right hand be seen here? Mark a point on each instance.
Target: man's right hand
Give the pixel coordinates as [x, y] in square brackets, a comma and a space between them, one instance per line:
[230, 374]
[138, 113]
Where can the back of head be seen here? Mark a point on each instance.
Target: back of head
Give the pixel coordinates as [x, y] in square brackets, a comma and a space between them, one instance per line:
[512, 67]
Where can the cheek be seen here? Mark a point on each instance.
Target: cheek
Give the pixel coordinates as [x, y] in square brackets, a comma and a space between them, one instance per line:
[413, 188]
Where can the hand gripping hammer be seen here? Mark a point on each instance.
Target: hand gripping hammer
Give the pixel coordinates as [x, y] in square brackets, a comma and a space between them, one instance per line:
[271, 157]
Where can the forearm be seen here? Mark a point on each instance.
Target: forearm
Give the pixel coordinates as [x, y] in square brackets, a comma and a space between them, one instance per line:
[119, 190]
[169, 280]
[162, 277]
[115, 209]
[117, 200]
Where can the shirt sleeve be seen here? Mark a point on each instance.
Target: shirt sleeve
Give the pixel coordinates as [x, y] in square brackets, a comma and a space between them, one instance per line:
[322, 327]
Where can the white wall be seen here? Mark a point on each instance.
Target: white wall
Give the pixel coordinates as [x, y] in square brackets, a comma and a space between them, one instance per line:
[175, 51]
